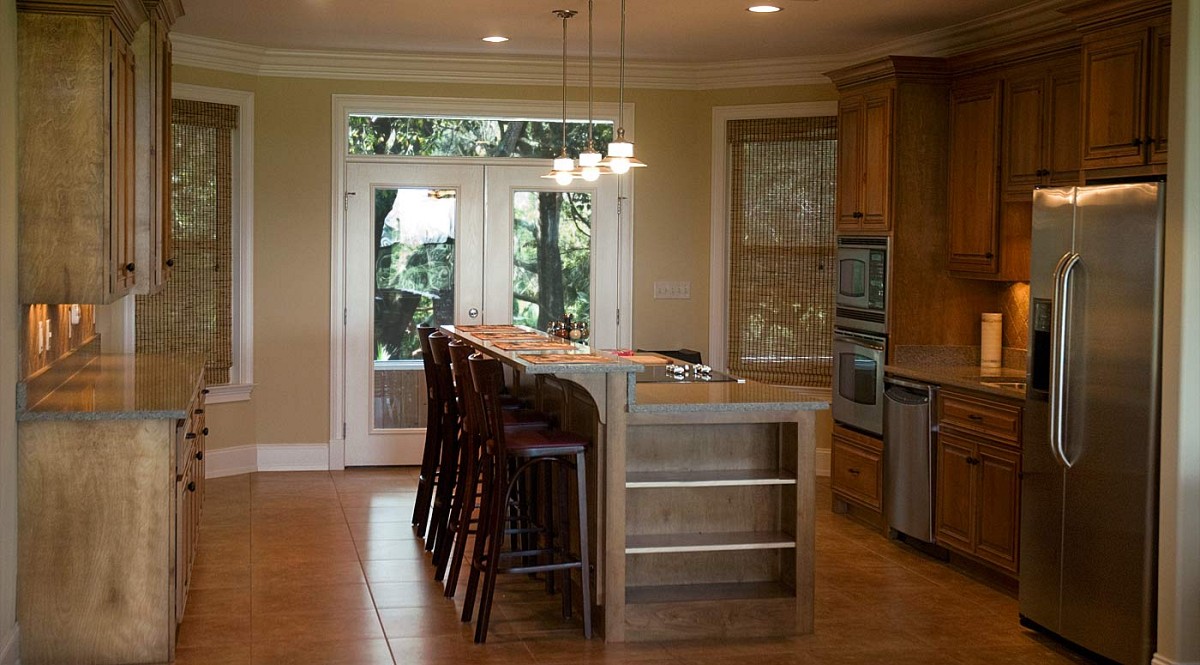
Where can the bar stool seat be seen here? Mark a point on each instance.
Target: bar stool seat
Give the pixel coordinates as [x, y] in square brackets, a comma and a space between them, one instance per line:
[533, 443]
[525, 419]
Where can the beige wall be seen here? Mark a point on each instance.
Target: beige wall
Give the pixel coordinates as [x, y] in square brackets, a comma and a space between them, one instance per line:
[8, 325]
[293, 124]
[1179, 530]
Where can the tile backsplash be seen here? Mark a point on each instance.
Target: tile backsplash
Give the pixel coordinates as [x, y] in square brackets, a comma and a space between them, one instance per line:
[1014, 304]
[50, 335]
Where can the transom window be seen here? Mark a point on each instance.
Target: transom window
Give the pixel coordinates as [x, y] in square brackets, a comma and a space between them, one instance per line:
[435, 136]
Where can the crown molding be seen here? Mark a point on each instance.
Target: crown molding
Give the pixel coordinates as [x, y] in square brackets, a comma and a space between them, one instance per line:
[206, 53]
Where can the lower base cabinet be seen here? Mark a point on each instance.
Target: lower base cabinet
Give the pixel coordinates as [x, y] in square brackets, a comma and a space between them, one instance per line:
[856, 470]
[978, 492]
[108, 518]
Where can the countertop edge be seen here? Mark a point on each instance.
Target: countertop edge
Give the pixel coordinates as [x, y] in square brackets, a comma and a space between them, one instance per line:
[939, 375]
[96, 416]
[744, 407]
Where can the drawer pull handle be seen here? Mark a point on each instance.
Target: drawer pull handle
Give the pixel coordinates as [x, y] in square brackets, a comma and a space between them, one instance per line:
[198, 411]
[200, 455]
[190, 435]
[204, 431]
[191, 487]
[204, 391]
[976, 417]
[853, 471]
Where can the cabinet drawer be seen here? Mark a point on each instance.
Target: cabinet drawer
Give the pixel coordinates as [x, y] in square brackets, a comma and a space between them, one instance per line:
[857, 473]
[994, 420]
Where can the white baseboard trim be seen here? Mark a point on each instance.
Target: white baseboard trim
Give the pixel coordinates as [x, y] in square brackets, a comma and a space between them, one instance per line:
[824, 462]
[1160, 659]
[10, 647]
[267, 457]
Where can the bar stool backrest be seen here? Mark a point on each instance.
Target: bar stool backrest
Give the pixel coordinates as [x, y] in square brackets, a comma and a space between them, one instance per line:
[464, 387]
[439, 344]
[488, 377]
[423, 332]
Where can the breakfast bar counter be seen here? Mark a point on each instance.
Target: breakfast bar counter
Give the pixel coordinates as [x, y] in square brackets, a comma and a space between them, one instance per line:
[703, 492]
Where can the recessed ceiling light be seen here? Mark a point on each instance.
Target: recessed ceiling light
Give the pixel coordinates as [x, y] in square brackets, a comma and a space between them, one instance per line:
[495, 39]
[764, 9]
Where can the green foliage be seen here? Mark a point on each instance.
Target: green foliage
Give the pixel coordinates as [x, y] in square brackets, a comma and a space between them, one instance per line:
[468, 137]
[537, 301]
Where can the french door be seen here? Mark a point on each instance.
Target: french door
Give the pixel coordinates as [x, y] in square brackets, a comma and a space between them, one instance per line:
[462, 244]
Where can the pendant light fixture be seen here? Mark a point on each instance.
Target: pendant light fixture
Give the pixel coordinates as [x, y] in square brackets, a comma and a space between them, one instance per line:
[564, 167]
[620, 151]
[589, 159]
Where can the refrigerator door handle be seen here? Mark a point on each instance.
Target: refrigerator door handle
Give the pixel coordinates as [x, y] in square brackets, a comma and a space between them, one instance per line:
[1059, 352]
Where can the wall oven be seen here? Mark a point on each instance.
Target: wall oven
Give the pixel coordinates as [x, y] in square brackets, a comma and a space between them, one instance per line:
[858, 360]
[862, 283]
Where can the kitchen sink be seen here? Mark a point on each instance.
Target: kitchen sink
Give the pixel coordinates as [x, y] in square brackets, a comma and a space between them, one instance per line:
[1011, 385]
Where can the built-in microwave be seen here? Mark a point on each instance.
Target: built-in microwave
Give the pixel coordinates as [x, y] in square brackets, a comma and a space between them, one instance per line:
[862, 280]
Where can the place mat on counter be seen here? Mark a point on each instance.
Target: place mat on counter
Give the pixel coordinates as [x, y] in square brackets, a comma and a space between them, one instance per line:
[566, 358]
[648, 360]
[532, 345]
[515, 334]
[492, 328]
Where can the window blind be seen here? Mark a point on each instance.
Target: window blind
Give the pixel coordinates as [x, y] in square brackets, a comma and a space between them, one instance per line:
[782, 179]
[193, 313]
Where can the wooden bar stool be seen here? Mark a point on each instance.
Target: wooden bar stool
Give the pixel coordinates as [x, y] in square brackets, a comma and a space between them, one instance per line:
[433, 437]
[506, 456]
[463, 504]
[447, 474]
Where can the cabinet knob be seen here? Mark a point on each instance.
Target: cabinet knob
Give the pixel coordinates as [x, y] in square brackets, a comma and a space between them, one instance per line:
[199, 411]
[989, 256]
[189, 436]
[1137, 142]
[129, 267]
[170, 263]
[857, 215]
[204, 391]
[200, 455]
[191, 487]
[972, 461]
[1151, 140]
[204, 431]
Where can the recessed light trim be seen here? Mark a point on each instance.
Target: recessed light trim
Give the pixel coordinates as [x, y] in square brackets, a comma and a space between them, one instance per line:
[495, 39]
[764, 9]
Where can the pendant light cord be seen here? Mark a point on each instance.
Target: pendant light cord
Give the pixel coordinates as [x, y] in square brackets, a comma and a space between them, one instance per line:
[621, 94]
[591, 84]
[565, 16]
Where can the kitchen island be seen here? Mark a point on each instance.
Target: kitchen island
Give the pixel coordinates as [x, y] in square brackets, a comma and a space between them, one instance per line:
[703, 494]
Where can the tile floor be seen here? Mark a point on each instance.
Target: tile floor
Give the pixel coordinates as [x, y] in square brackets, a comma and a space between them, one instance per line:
[323, 568]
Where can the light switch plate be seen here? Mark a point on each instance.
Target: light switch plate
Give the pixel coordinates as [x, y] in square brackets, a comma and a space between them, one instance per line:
[672, 290]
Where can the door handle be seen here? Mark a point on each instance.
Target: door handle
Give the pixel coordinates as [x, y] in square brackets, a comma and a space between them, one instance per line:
[1060, 347]
[473, 313]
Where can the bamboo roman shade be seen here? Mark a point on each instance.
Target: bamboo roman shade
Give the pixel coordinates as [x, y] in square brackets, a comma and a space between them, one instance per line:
[782, 185]
[193, 313]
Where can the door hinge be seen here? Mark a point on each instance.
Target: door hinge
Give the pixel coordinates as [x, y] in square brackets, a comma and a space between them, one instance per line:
[618, 317]
[343, 431]
[345, 316]
[346, 200]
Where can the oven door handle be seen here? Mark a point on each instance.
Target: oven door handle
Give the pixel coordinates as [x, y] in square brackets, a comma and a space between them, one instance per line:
[857, 340]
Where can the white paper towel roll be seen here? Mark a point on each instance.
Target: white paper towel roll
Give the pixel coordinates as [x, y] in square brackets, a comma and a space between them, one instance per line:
[991, 334]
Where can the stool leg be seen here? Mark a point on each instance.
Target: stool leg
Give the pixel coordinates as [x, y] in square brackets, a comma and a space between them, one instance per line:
[441, 551]
[584, 557]
[447, 477]
[425, 482]
[483, 534]
[466, 509]
[492, 562]
[549, 517]
[563, 528]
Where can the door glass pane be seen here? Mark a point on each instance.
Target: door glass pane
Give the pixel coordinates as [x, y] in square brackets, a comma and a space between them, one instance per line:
[413, 285]
[856, 380]
[552, 256]
[853, 280]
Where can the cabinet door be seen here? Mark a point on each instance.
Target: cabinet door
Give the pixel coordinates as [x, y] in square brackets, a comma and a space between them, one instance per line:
[1161, 81]
[1024, 135]
[974, 178]
[1114, 90]
[998, 519]
[1062, 150]
[877, 165]
[856, 473]
[122, 165]
[955, 492]
[850, 164]
[163, 157]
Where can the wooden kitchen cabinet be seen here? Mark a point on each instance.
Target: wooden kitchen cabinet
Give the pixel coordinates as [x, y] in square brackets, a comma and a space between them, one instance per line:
[975, 113]
[77, 182]
[1040, 143]
[864, 161]
[978, 490]
[1125, 69]
[856, 473]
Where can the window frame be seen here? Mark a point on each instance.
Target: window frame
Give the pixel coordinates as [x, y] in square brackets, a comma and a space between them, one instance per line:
[718, 293]
[241, 374]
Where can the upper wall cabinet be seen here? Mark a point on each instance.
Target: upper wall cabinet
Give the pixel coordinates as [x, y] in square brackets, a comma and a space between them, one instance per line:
[864, 160]
[1040, 144]
[1125, 76]
[975, 112]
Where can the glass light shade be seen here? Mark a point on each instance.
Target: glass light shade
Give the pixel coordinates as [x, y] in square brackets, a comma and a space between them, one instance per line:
[619, 165]
[564, 164]
[620, 149]
[590, 158]
[591, 173]
[563, 178]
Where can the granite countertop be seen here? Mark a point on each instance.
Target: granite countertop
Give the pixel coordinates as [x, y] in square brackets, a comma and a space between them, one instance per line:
[121, 387]
[726, 396]
[612, 363]
[966, 377]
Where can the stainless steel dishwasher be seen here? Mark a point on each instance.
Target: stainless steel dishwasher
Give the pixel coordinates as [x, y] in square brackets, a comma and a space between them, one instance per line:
[909, 460]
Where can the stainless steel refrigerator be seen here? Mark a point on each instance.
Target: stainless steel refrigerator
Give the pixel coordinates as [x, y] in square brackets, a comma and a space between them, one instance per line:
[1089, 490]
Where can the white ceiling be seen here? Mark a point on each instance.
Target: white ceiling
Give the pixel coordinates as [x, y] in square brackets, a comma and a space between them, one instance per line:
[683, 31]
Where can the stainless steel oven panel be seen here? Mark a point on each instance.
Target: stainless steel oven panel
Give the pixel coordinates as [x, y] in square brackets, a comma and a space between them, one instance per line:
[858, 361]
[863, 271]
